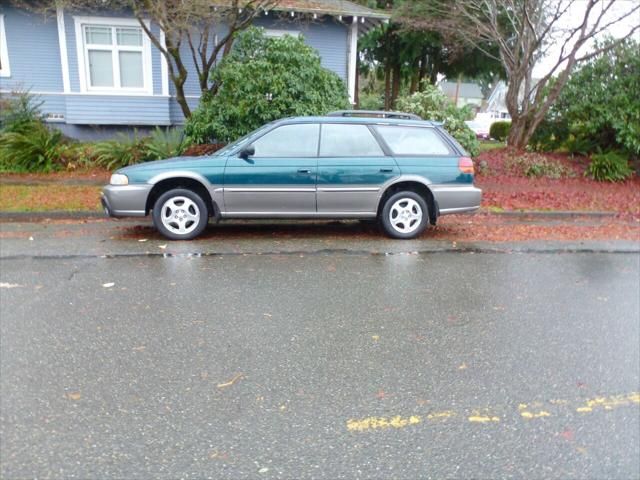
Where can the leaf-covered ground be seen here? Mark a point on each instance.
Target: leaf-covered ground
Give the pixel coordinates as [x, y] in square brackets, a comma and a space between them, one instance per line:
[504, 190]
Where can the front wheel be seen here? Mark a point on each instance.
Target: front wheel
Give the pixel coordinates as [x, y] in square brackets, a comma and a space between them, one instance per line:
[180, 214]
[404, 215]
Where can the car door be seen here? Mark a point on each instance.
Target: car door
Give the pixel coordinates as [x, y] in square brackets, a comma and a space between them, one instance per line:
[279, 178]
[352, 167]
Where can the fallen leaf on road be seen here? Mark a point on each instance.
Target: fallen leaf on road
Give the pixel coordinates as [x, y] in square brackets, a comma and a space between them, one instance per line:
[108, 285]
[230, 382]
[567, 435]
[74, 396]
[10, 285]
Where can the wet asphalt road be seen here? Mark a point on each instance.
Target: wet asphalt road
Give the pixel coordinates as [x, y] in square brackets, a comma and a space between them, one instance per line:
[332, 364]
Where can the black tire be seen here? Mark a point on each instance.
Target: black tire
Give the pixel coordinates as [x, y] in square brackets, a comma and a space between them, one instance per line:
[411, 203]
[193, 217]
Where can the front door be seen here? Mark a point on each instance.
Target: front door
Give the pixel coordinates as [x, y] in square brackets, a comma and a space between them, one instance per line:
[280, 178]
[352, 167]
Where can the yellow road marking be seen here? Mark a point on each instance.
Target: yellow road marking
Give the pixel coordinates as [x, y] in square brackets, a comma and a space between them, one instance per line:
[486, 416]
[372, 423]
[439, 415]
[609, 403]
[483, 418]
[525, 411]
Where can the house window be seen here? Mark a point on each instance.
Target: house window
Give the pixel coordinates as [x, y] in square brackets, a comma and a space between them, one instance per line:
[5, 71]
[114, 56]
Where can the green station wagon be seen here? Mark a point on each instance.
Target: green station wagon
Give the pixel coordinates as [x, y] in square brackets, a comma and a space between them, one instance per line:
[392, 167]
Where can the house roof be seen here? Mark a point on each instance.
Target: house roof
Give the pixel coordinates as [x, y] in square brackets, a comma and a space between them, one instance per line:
[467, 90]
[331, 7]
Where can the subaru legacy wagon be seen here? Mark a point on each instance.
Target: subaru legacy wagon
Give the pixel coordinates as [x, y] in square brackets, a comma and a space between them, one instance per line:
[396, 168]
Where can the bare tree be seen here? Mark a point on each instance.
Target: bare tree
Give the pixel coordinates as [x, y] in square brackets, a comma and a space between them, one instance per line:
[524, 32]
[207, 27]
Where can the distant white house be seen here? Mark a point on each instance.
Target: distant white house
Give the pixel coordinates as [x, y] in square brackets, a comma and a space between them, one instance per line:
[496, 106]
[463, 93]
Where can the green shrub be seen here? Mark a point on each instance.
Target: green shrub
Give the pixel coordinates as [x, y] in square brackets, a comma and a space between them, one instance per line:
[166, 143]
[609, 167]
[599, 107]
[19, 112]
[124, 150]
[371, 101]
[551, 134]
[500, 130]
[534, 165]
[261, 80]
[432, 104]
[33, 149]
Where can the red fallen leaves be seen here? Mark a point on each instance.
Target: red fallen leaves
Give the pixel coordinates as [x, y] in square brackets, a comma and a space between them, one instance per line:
[504, 190]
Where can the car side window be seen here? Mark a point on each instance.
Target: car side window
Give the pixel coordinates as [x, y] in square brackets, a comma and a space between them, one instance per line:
[347, 140]
[298, 140]
[413, 140]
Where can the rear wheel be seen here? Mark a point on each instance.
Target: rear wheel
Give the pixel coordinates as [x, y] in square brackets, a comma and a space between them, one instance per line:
[180, 214]
[404, 215]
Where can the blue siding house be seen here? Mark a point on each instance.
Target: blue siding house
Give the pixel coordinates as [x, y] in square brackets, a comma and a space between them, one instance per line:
[96, 73]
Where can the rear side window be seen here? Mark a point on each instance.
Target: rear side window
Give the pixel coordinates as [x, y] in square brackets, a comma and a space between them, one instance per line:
[413, 141]
[345, 140]
[300, 140]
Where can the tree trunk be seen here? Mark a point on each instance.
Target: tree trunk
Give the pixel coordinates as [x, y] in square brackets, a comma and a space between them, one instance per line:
[182, 101]
[422, 72]
[387, 87]
[395, 89]
[516, 136]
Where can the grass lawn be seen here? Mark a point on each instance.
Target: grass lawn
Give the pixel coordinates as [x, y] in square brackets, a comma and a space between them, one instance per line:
[486, 145]
[30, 198]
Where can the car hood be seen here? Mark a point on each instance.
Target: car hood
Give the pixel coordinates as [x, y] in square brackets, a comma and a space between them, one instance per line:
[175, 163]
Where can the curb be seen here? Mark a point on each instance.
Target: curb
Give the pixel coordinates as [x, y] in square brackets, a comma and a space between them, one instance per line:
[552, 213]
[54, 214]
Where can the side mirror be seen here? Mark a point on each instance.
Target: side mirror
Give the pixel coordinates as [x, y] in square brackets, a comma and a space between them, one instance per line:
[247, 152]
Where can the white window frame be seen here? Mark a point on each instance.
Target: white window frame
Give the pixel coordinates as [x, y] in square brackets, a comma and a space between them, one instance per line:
[5, 70]
[83, 59]
[275, 33]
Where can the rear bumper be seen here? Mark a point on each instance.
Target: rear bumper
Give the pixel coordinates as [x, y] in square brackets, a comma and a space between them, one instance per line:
[125, 200]
[456, 199]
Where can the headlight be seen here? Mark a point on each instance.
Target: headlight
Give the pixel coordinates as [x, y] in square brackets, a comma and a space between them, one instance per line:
[119, 179]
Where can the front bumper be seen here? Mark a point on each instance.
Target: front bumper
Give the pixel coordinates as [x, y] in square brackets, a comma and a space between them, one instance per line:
[125, 200]
[457, 199]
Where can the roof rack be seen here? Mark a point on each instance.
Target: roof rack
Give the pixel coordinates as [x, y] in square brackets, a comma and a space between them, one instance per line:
[373, 113]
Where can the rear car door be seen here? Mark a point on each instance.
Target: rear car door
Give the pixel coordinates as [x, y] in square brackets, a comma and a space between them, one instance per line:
[352, 167]
[427, 153]
[280, 178]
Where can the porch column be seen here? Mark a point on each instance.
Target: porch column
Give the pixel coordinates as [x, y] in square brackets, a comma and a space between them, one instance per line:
[352, 59]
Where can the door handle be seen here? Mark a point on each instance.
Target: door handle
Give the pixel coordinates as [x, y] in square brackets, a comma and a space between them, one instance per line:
[386, 170]
[304, 170]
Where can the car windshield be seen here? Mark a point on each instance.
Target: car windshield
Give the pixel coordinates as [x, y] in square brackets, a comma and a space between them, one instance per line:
[231, 146]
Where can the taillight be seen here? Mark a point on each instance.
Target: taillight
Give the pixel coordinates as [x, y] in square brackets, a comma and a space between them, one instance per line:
[465, 165]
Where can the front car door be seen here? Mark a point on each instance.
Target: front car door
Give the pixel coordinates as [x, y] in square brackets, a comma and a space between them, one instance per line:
[279, 179]
[352, 168]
